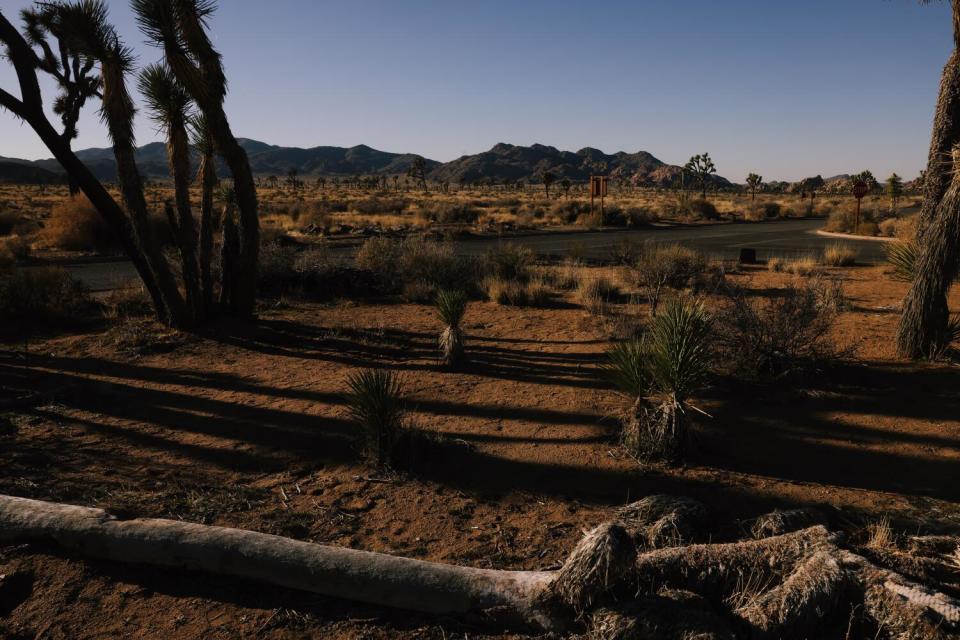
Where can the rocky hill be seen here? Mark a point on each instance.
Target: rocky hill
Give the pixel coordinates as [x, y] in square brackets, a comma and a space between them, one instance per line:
[502, 162]
[511, 162]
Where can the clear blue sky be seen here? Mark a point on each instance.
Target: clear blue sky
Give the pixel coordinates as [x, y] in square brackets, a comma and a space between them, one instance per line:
[787, 89]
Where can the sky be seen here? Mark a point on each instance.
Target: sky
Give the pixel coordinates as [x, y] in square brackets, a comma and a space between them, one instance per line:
[784, 89]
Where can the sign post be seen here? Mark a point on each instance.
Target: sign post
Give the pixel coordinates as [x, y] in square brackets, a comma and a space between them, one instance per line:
[598, 189]
[860, 189]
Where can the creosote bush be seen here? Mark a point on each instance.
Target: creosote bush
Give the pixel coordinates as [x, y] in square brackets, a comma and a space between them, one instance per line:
[41, 298]
[666, 266]
[785, 336]
[418, 267]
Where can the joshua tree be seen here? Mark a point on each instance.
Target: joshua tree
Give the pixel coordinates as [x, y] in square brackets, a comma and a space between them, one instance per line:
[207, 177]
[701, 167]
[924, 323]
[894, 189]
[71, 71]
[548, 179]
[292, 181]
[168, 104]
[811, 186]
[178, 28]
[754, 181]
[867, 178]
[84, 29]
[565, 184]
[418, 172]
[451, 305]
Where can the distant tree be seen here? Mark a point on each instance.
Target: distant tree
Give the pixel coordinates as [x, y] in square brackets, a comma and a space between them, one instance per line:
[548, 179]
[868, 179]
[292, 178]
[321, 182]
[701, 167]
[273, 181]
[418, 172]
[894, 189]
[754, 181]
[565, 184]
[810, 186]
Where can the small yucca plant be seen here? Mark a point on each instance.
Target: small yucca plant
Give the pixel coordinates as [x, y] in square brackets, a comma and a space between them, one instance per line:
[902, 256]
[451, 306]
[660, 371]
[376, 405]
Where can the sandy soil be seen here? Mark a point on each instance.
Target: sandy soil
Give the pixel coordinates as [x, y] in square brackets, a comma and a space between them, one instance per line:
[247, 427]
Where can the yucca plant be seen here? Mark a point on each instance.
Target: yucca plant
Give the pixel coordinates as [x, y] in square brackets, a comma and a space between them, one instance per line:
[902, 256]
[451, 306]
[660, 371]
[376, 405]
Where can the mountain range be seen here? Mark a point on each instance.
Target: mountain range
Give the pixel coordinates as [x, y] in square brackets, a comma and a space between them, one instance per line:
[503, 162]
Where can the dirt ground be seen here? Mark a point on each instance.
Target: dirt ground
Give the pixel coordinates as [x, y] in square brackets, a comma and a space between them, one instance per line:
[247, 427]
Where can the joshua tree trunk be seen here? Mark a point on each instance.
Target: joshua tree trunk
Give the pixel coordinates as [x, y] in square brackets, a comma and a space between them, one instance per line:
[924, 319]
[185, 229]
[118, 109]
[228, 255]
[923, 325]
[208, 179]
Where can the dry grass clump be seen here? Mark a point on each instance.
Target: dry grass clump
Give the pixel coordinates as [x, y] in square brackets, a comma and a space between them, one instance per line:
[594, 293]
[839, 255]
[40, 297]
[132, 302]
[805, 266]
[533, 292]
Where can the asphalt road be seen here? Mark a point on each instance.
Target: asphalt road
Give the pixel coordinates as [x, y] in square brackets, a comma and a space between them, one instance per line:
[785, 238]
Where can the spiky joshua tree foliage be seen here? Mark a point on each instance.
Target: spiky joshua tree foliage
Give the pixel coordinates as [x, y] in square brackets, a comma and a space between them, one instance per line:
[376, 406]
[451, 306]
[660, 371]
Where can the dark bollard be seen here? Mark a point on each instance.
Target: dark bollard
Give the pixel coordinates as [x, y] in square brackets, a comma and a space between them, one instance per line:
[748, 256]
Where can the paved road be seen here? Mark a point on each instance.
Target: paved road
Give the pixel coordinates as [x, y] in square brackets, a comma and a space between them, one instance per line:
[787, 238]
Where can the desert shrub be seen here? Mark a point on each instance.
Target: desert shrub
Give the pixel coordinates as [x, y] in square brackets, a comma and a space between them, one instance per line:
[275, 272]
[376, 405]
[454, 212]
[785, 336]
[762, 211]
[9, 221]
[418, 267]
[775, 264]
[624, 252]
[700, 208]
[13, 249]
[40, 297]
[888, 227]
[75, 225]
[666, 266]
[840, 221]
[567, 274]
[379, 206]
[839, 255]
[868, 228]
[659, 371]
[131, 302]
[568, 211]
[509, 261]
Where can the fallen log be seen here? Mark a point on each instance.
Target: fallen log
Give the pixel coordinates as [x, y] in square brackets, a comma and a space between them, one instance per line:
[361, 576]
[808, 574]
